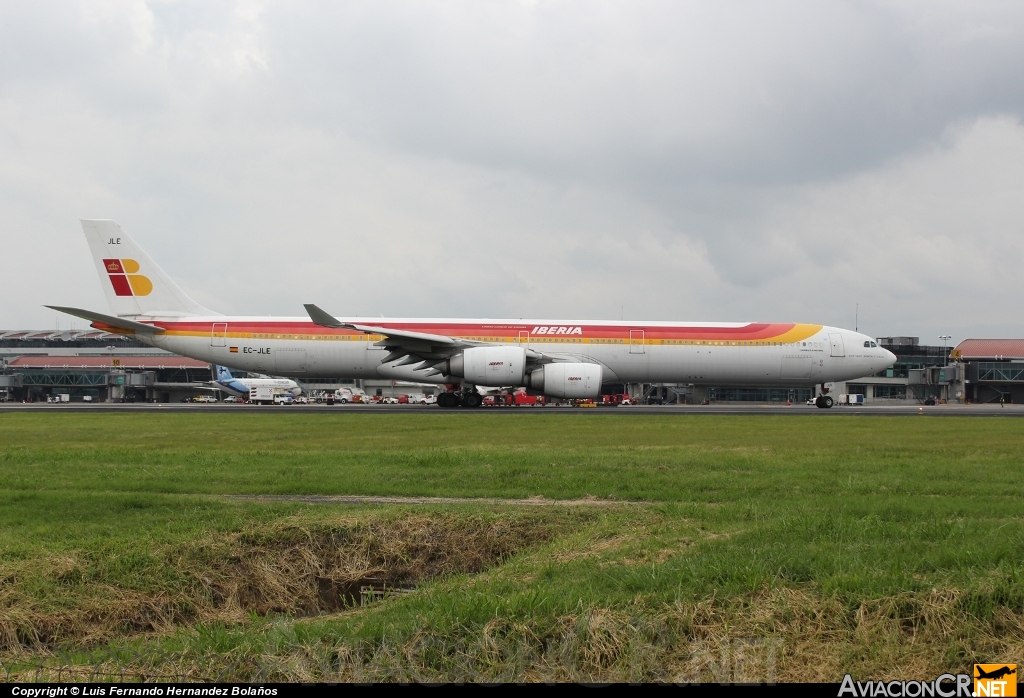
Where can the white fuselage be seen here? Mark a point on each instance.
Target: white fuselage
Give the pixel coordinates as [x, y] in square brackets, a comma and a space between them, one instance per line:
[763, 354]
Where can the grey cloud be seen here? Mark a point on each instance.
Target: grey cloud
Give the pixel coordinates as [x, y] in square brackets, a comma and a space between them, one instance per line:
[654, 92]
[684, 160]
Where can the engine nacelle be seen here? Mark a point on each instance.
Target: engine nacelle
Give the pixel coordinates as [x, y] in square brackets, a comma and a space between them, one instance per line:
[492, 366]
[567, 380]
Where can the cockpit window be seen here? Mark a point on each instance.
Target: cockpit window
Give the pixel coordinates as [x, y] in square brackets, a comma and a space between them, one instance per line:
[870, 344]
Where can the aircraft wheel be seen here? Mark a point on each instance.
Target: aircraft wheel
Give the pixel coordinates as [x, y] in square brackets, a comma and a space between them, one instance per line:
[472, 400]
[827, 401]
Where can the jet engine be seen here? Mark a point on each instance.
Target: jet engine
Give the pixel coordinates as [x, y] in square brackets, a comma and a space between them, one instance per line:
[491, 366]
[567, 380]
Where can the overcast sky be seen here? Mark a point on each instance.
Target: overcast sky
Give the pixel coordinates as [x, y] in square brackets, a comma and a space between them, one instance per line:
[674, 160]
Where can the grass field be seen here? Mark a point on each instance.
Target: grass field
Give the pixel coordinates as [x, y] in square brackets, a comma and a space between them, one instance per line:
[704, 547]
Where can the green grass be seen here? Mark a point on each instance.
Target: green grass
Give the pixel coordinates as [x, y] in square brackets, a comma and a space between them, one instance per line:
[559, 456]
[879, 544]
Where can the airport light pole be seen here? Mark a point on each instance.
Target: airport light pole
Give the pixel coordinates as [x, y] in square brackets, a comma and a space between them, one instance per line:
[945, 354]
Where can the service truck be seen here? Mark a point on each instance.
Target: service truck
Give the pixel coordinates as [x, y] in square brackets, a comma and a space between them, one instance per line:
[269, 395]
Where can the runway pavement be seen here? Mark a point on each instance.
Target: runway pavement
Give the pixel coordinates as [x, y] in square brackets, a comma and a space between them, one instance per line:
[637, 410]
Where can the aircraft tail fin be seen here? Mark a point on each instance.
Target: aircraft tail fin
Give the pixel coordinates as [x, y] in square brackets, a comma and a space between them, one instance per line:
[222, 374]
[133, 283]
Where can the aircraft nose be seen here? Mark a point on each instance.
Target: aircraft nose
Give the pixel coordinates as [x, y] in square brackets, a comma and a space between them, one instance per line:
[890, 358]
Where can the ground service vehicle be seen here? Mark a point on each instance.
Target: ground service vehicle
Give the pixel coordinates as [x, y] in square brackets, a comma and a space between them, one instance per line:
[269, 395]
[564, 359]
[517, 399]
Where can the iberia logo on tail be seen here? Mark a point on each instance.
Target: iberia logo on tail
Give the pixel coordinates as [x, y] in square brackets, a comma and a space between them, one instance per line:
[125, 280]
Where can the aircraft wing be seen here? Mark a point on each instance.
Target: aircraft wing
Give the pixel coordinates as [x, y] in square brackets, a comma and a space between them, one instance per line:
[109, 321]
[392, 336]
[411, 347]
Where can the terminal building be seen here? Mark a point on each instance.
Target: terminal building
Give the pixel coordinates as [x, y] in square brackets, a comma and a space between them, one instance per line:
[91, 365]
[993, 369]
[99, 366]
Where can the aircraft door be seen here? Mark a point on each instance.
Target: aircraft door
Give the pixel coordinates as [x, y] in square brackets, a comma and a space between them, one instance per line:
[524, 338]
[636, 342]
[836, 340]
[219, 334]
[291, 361]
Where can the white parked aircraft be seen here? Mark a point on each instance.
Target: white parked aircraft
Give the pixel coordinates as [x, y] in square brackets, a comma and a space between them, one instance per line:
[242, 387]
[559, 358]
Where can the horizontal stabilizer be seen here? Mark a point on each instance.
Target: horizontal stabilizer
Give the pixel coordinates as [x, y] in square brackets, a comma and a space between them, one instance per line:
[109, 321]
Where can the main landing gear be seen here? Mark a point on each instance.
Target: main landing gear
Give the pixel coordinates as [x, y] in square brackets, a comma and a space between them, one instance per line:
[448, 400]
[824, 401]
[452, 399]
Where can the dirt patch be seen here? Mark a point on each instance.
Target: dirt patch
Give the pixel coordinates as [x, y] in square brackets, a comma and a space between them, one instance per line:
[300, 569]
[537, 500]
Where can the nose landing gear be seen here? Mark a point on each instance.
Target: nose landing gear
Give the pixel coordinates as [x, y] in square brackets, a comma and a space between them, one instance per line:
[824, 401]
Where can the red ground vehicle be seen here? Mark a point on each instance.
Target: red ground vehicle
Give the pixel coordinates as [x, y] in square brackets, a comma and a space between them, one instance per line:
[513, 400]
[403, 399]
[524, 399]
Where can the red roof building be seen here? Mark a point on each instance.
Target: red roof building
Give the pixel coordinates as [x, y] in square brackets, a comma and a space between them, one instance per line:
[989, 350]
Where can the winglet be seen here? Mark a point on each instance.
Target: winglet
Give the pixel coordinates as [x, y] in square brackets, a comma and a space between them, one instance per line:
[322, 317]
[117, 323]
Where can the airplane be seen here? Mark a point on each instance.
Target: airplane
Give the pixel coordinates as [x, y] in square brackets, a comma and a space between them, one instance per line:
[557, 358]
[241, 387]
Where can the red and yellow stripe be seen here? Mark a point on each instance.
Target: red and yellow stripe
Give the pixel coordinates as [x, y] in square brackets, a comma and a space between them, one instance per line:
[752, 334]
